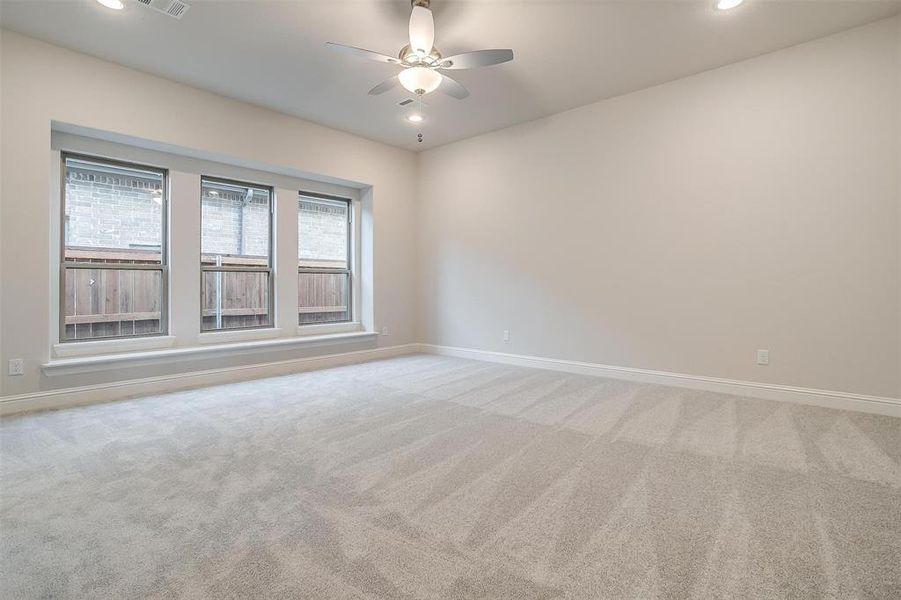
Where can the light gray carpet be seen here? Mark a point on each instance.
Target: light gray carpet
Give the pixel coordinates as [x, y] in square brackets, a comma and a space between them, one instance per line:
[432, 477]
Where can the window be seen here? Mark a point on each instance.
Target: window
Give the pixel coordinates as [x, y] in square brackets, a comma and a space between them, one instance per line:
[113, 272]
[236, 255]
[324, 265]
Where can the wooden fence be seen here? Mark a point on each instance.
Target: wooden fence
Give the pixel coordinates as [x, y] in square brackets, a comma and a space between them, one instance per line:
[105, 302]
[322, 297]
[232, 299]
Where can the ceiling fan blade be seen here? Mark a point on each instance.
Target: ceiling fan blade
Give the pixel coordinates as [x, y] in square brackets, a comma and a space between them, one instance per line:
[452, 88]
[476, 59]
[422, 31]
[384, 86]
[361, 53]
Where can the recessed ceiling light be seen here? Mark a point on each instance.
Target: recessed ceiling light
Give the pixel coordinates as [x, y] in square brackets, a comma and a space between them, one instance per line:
[727, 4]
[415, 118]
[113, 4]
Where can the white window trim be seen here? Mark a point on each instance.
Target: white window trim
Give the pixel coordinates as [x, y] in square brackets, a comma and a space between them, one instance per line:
[324, 328]
[92, 364]
[238, 335]
[57, 229]
[111, 346]
[207, 179]
[184, 321]
[354, 259]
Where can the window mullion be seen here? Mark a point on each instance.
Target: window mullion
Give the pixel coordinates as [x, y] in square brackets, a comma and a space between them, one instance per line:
[320, 270]
[113, 266]
[234, 269]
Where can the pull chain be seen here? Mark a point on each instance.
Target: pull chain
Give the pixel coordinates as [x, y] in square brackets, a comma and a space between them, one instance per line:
[419, 135]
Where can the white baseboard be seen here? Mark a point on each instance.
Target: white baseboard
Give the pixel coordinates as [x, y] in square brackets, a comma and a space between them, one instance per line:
[119, 390]
[62, 398]
[767, 391]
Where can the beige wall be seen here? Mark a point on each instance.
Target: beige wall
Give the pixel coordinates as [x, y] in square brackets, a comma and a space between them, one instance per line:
[898, 101]
[43, 83]
[682, 227]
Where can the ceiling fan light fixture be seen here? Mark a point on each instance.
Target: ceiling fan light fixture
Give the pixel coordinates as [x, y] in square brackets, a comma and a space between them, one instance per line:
[422, 31]
[727, 4]
[420, 80]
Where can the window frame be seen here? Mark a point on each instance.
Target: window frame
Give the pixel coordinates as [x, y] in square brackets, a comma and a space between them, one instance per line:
[162, 268]
[270, 269]
[348, 271]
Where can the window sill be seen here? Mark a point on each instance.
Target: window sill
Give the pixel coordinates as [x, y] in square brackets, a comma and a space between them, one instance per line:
[238, 335]
[91, 364]
[87, 348]
[325, 328]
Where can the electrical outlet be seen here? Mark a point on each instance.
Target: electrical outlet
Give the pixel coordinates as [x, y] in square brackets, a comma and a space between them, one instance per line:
[16, 366]
[385, 330]
[763, 357]
[506, 335]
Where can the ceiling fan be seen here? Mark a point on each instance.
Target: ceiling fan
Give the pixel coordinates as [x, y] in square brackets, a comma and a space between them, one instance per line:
[423, 65]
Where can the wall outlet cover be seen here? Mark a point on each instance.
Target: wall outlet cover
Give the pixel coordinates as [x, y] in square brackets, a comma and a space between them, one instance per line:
[16, 366]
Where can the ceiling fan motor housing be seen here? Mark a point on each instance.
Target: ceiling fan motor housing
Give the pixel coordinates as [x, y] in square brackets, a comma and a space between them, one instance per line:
[407, 53]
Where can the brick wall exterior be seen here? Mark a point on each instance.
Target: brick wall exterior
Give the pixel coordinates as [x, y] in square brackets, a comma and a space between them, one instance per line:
[105, 210]
[322, 231]
[112, 211]
[234, 226]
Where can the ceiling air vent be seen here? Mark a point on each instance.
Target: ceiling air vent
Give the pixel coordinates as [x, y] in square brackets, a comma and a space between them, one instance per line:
[173, 8]
[409, 101]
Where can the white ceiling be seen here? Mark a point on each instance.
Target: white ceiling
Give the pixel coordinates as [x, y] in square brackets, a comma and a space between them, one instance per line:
[568, 53]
